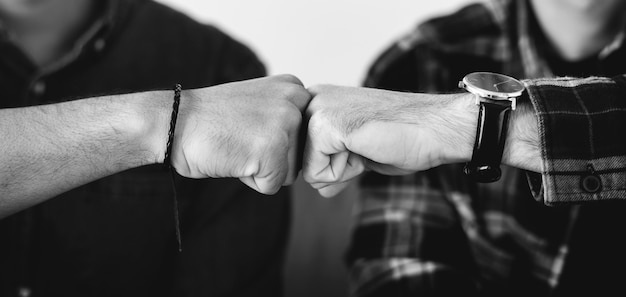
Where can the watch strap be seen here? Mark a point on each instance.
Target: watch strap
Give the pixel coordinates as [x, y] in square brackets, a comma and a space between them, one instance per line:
[491, 131]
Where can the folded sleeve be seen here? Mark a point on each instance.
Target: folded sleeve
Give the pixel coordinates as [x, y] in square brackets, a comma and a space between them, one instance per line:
[582, 129]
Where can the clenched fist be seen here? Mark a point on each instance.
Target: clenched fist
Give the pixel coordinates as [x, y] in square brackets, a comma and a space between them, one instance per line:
[248, 130]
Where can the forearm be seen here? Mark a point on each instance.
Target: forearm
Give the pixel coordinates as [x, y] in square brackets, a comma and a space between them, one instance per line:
[248, 130]
[50, 149]
[446, 127]
[412, 131]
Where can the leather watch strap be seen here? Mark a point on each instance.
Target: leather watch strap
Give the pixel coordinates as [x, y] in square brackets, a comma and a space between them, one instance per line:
[491, 134]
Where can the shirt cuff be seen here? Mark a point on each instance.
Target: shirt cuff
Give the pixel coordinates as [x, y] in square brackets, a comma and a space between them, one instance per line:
[581, 123]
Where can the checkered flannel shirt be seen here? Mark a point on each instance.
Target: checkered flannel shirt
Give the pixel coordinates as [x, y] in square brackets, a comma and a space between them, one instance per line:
[435, 233]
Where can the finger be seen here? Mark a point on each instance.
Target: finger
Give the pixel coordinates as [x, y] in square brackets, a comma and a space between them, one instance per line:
[293, 157]
[302, 140]
[355, 165]
[296, 93]
[249, 181]
[315, 102]
[338, 165]
[332, 190]
[320, 167]
[290, 78]
[292, 172]
[385, 169]
[345, 166]
[300, 98]
[316, 89]
[353, 170]
[313, 161]
[273, 173]
[325, 155]
[268, 185]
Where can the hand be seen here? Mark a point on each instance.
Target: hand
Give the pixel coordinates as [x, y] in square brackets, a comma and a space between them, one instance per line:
[351, 130]
[248, 130]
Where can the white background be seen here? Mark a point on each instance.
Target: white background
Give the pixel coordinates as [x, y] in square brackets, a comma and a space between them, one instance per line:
[323, 41]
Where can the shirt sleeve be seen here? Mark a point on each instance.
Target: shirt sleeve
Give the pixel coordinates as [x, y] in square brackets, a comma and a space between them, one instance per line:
[582, 129]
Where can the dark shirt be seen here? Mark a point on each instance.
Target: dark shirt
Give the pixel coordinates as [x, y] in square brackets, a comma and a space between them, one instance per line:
[437, 233]
[116, 236]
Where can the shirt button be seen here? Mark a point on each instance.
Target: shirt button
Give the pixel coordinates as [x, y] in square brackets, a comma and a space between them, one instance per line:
[24, 292]
[99, 44]
[39, 88]
[591, 183]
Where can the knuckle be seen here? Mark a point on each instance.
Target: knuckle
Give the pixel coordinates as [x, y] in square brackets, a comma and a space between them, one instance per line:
[286, 109]
[288, 113]
[291, 91]
[319, 88]
[322, 101]
[317, 125]
[289, 78]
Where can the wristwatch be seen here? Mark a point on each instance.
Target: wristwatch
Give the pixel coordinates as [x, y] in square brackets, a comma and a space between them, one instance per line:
[496, 96]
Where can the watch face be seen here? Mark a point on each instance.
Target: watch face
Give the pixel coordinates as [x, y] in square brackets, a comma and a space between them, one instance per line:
[493, 85]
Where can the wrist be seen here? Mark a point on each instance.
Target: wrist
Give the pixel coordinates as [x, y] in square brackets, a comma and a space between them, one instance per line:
[458, 128]
[522, 148]
[148, 124]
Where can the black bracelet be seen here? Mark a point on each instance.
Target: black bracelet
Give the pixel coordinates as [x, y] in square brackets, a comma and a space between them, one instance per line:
[167, 162]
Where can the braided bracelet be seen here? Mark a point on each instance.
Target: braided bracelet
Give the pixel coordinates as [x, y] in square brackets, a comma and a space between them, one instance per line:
[167, 162]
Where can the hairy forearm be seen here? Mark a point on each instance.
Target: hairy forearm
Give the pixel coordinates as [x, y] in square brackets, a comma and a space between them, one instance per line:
[445, 125]
[416, 131]
[50, 149]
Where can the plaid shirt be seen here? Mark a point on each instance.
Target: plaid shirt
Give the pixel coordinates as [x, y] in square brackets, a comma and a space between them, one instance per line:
[437, 233]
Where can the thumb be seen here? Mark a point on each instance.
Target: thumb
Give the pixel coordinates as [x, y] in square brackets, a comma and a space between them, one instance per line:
[270, 178]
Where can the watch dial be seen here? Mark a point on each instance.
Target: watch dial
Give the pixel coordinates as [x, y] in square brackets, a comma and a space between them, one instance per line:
[494, 82]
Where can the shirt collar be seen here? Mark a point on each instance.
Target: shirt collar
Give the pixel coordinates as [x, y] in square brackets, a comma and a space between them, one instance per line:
[111, 12]
[98, 29]
[108, 20]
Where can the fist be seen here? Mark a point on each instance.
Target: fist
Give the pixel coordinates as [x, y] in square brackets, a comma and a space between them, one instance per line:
[247, 130]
